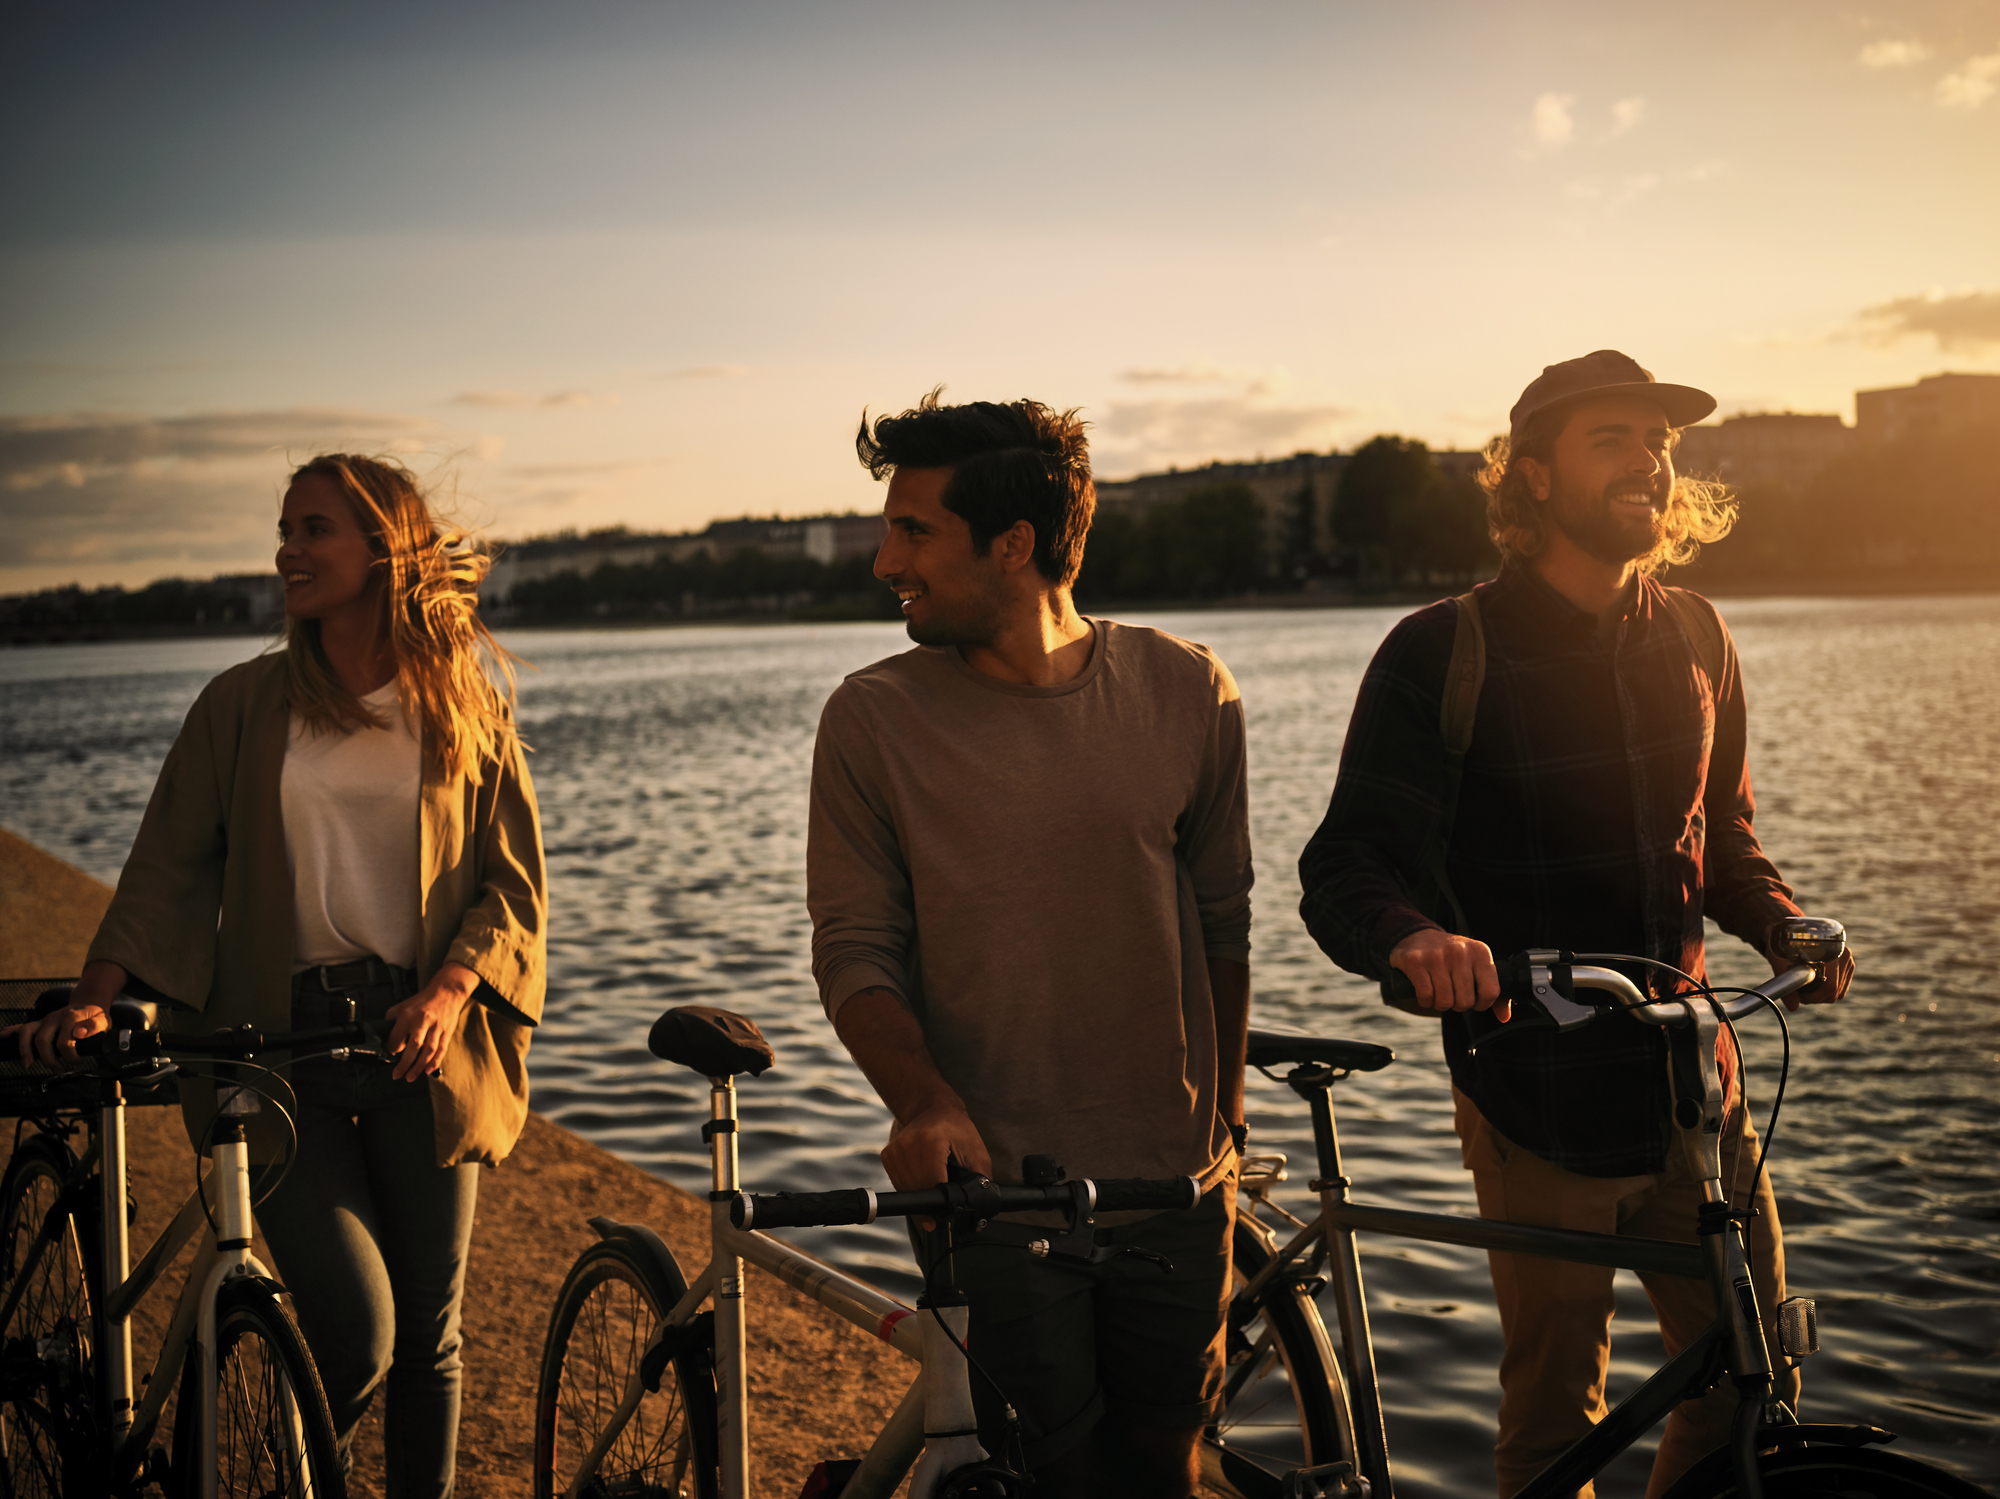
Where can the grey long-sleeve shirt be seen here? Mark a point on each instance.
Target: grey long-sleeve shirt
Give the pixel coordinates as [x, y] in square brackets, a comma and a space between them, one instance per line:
[1041, 873]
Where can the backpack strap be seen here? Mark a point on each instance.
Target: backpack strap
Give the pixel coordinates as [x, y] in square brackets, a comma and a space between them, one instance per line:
[1463, 677]
[1458, 706]
[1703, 628]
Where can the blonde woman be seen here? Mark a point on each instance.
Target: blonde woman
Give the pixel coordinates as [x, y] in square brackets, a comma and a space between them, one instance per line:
[351, 819]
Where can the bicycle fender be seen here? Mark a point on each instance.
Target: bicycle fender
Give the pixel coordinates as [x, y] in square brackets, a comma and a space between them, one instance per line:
[650, 1245]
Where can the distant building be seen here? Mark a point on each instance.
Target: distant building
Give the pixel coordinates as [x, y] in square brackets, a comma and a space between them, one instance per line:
[1935, 405]
[1764, 450]
[1295, 495]
[823, 538]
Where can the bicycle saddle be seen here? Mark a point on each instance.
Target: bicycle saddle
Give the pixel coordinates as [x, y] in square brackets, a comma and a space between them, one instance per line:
[1271, 1049]
[715, 1043]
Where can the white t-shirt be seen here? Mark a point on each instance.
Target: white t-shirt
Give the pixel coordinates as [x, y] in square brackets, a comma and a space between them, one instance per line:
[351, 836]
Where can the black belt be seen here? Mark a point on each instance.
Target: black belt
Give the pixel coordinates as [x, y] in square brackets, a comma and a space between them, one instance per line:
[362, 973]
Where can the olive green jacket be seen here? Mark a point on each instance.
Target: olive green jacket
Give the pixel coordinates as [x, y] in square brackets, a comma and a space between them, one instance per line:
[203, 911]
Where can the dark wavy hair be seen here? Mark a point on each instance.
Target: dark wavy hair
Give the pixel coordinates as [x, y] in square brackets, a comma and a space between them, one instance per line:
[1698, 511]
[1018, 461]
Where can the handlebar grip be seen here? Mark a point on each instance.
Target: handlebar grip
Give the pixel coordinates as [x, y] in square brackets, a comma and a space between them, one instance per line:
[802, 1209]
[1399, 994]
[1141, 1194]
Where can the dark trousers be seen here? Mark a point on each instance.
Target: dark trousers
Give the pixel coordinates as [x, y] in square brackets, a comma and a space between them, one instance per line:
[371, 1238]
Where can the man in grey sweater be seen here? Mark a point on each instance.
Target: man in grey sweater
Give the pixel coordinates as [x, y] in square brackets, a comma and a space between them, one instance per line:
[1029, 878]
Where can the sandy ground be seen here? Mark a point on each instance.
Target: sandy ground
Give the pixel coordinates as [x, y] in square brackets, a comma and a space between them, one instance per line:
[819, 1387]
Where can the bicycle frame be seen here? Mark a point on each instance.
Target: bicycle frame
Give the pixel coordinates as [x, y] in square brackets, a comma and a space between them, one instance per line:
[1735, 1341]
[935, 1416]
[221, 1257]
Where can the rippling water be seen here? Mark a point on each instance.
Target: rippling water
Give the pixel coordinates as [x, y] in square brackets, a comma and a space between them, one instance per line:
[672, 771]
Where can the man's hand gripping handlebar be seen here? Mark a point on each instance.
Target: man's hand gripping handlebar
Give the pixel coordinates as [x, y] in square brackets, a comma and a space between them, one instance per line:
[1565, 990]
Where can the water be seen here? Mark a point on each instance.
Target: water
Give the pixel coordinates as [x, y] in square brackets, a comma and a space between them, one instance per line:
[672, 771]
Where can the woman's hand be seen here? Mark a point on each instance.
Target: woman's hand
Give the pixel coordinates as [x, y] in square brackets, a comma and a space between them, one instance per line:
[423, 1025]
[51, 1041]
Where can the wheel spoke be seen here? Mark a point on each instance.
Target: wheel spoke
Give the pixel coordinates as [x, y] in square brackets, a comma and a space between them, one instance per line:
[603, 1323]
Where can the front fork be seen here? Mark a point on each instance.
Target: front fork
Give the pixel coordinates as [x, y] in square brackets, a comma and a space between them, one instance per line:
[1698, 1117]
[235, 1226]
[115, 1251]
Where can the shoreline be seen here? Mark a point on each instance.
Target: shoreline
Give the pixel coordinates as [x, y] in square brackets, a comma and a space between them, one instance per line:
[818, 1386]
[1971, 583]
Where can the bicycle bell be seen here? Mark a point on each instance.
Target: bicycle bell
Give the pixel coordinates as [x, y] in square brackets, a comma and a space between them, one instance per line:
[1809, 939]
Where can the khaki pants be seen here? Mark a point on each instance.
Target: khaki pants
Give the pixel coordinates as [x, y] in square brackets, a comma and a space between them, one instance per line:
[1556, 1316]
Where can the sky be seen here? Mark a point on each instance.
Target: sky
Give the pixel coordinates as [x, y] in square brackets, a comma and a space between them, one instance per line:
[646, 264]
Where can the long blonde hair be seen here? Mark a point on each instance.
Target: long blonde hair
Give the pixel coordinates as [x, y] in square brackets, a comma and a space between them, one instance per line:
[446, 658]
[1698, 510]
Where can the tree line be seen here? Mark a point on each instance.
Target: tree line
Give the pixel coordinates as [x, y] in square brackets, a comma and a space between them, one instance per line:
[1919, 512]
[172, 606]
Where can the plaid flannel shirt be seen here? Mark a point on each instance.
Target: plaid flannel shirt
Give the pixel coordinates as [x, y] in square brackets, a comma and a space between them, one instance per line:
[1605, 806]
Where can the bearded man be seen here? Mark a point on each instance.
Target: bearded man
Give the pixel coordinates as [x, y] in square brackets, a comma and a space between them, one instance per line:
[1603, 804]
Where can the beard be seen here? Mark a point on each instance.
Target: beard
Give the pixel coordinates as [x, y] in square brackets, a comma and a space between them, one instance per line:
[974, 622]
[1605, 530]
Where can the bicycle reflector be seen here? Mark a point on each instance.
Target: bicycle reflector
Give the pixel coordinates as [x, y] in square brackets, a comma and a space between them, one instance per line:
[1798, 1327]
[1809, 939]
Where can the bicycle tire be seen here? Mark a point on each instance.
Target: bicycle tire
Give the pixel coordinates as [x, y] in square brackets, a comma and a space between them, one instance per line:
[1827, 1472]
[1287, 1403]
[607, 1311]
[265, 1382]
[46, 1422]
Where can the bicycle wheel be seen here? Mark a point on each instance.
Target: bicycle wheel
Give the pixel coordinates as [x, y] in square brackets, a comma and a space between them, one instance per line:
[1287, 1403]
[273, 1431]
[1827, 1472]
[45, 1418]
[604, 1316]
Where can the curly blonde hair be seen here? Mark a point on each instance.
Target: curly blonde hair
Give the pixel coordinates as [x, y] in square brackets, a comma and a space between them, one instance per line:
[447, 661]
[1698, 510]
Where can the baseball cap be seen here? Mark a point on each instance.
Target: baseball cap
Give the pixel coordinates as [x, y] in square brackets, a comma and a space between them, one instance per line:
[1606, 373]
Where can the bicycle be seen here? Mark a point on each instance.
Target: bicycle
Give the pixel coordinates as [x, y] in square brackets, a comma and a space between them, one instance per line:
[251, 1417]
[643, 1393]
[1305, 1418]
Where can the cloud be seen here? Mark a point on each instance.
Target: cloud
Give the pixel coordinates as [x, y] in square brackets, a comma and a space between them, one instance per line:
[515, 400]
[1893, 54]
[1205, 373]
[38, 450]
[142, 497]
[1626, 114]
[1972, 85]
[1550, 121]
[1961, 322]
[1139, 436]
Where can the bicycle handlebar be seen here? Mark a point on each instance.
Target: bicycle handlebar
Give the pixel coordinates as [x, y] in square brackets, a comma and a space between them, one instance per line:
[981, 1198]
[1556, 988]
[137, 1044]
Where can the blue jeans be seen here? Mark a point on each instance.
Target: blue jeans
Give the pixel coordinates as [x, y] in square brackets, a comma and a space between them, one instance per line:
[371, 1238]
